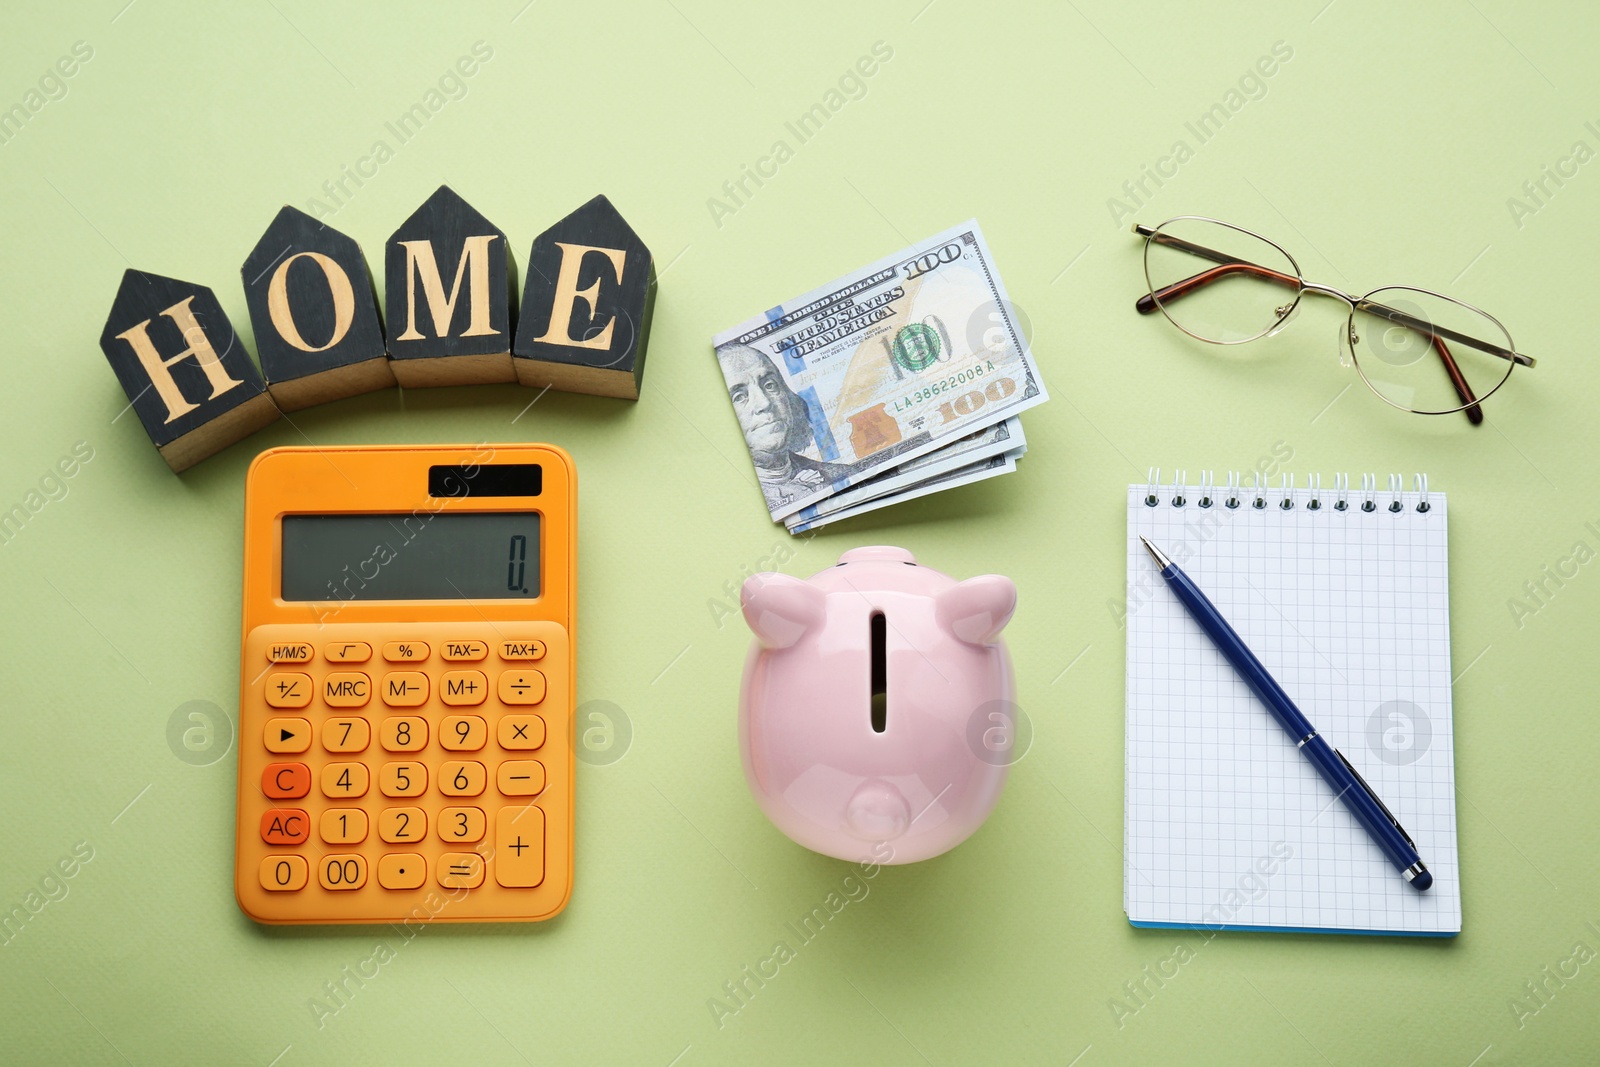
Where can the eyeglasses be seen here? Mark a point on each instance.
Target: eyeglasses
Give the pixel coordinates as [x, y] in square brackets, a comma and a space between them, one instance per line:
[1396, 336]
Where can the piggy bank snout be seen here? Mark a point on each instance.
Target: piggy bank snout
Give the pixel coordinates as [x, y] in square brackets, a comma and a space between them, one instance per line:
[877, 812]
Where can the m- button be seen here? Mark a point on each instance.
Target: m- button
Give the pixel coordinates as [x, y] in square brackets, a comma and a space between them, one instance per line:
[405, 689]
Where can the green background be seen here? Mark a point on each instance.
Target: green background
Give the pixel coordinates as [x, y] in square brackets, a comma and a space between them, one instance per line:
[1384, 151]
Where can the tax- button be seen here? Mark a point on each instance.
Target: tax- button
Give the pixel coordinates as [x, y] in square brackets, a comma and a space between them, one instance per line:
[519, 847]
[461, 870]
[287, 735]
[288, 689]
[464, 650]
[289, 652]
[521, 687]
[463, 688]
[521, 649]
[286, 781]
[284, 826]
[405, 689]
[346, 689]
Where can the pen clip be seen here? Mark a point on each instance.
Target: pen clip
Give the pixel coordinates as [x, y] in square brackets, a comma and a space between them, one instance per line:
[1376, 799]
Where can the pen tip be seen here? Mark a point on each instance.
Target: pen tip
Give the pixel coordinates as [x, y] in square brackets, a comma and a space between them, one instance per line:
[1156, 554]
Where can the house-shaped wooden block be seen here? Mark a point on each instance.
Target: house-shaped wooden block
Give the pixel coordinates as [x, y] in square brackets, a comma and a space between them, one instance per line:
[185, 371]
[315, 314]
[586, 305]
[448, 281]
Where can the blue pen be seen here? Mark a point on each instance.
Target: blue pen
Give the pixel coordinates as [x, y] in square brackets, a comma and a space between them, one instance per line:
[1329, 761]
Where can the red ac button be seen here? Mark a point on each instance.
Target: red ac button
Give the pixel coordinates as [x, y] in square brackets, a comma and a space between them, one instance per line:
[284, 826]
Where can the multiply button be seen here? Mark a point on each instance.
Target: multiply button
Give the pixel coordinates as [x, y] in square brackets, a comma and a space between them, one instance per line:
[405, 689]
[347, 652]
[522, 650]
[289, 652]
[346, 689]
[463, 688]
[287, 735]
[284, 826]
[465, 650]
[521, 687]
[519, 847]
[287, 689]
[461, 870]
[283, 874]
[521, 731]
[286, 781]
[405, 651]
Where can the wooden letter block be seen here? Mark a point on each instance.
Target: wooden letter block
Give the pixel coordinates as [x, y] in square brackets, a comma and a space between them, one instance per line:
[586, 306]
[185, 371]
[315, 314]
[448, 283]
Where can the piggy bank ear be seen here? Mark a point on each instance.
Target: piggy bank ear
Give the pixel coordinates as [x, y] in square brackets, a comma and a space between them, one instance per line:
[977, 609]
[780, 609]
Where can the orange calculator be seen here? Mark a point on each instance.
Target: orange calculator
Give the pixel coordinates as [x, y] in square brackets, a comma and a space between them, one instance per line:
[406, 684]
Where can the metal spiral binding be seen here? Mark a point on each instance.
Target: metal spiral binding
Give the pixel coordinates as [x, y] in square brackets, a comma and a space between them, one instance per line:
[1341, 486]
[1150, 500]
[1205, 489]
[1286, 502]
[1369, 488]
[1233, 489]
[1178, 478]
[1261, 488]
[1421, 482]
[1397, 488]
[1316, 487]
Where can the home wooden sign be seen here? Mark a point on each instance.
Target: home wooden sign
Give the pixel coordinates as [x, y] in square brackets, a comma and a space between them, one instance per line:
[449, 303]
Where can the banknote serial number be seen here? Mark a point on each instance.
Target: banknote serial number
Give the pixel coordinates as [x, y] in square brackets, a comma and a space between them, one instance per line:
[955, 408]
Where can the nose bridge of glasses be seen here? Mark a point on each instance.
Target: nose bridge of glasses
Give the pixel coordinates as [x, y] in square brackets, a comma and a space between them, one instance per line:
[1327, 290]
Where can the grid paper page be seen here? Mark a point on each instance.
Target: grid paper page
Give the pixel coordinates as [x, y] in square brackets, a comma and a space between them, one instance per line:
[1226, 824]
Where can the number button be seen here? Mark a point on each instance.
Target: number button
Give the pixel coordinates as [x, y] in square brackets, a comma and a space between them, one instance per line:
[287, 735]
[464, 650]
[461, 870]
[289, 652]
[347, 652]
[463, 733]
[346, 735]
[284, 874]
[520, 778]
[344, 826]
[461, 824]
[405, 651]
[284, 826]
[405, 870]
[521, 649]
[346, 689]
[405, 689]
[405, 733]
[288, 689]
[345, 780]
[403, 780]
[519, 847]
[521, 687]
[462, 778]
[521, 731]
[286, 781]
[342, 872]
[402, 824]
[463, 688]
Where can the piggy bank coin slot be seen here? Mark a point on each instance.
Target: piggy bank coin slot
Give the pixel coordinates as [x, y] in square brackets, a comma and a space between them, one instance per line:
[880, 673]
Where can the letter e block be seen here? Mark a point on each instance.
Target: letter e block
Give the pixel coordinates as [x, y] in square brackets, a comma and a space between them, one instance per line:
[315, 314]
[448, 280]
[586, 305]
[185, 371]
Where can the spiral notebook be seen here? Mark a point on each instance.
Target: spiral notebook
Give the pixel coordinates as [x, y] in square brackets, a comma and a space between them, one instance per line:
[1343, 594]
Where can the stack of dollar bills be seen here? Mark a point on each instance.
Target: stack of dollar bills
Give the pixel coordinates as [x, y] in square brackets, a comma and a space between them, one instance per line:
[898, 380]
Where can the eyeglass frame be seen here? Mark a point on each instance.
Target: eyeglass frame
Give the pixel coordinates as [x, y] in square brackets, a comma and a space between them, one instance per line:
[1151, 301]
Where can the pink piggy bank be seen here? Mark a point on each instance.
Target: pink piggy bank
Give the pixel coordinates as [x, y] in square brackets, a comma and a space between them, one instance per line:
[870, 700]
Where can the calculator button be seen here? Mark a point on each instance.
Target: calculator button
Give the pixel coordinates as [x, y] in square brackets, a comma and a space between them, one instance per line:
[289, 652]
[287, 689]
[405, 689]
[462, 778]
[342, 872]
[521, 687]
[461, 870]
[463, 733]
[283, 874]
[520, 778]
[519, 847]
[284, 826]
[464, 650]
[461, 824]
[286, 781]
[403, 779]
[347, 652]
[459, 688]
[344, 780]
[522, 650]
[405, 651]
[344, 826]
[521, 731]
[404, 870]
[287, 735]
[346, 689]
[402, 824]
[405, 733]
[346, 735]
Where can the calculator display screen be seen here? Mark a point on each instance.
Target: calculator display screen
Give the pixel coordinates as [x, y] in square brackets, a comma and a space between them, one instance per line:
[415, 555]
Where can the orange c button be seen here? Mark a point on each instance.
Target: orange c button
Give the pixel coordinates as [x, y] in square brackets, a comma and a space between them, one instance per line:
[286, 781]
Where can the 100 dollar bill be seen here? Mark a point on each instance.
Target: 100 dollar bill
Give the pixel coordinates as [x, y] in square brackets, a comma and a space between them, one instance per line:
[886, 364]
